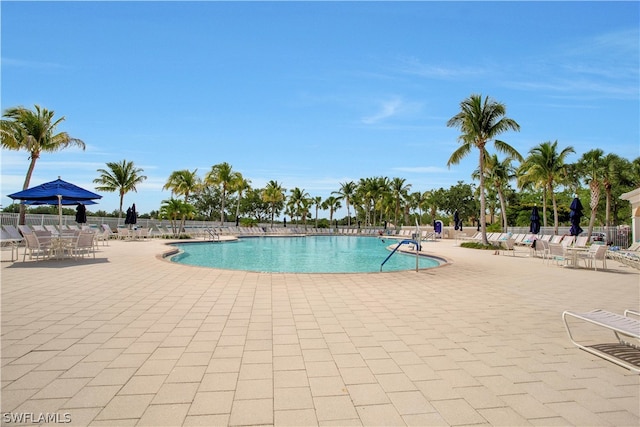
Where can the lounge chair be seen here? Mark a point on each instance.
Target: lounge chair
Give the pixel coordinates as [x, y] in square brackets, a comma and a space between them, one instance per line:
[11, 237]
[40, 246]
[629, 256]
[542, 248]
[626, 352]
[509, 245]
[83, 244]
[594, 254]
[24, 229]
[581, 241]
[558, 254]
[104, 235]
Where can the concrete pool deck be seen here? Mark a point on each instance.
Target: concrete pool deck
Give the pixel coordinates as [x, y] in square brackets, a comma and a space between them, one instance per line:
[131, 339]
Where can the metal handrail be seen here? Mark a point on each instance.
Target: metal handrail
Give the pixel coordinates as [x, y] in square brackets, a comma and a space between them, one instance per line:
[212, 233]
[415, 242]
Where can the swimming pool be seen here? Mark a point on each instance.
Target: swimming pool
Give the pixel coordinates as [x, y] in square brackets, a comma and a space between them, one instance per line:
[309, 254]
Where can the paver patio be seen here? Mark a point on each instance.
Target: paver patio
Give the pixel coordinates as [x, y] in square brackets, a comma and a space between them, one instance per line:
[131, 339]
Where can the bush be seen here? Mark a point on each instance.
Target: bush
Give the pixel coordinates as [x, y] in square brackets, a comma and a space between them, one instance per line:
[479, 245]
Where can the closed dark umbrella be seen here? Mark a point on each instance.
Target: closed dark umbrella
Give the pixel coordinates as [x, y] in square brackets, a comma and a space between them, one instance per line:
[574, 216]
[132, 215]
[535, 221]
[456, 220]
[81, 214]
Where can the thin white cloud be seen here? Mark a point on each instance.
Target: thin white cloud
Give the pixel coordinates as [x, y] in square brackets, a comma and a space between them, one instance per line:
[387, 109]
[394, 107]
[22, 63]
[413, 66]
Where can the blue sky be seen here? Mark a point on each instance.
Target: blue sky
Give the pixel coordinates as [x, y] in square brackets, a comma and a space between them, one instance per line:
[312, 94]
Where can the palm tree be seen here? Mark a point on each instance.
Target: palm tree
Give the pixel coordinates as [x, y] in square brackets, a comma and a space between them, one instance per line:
[241, 186]
[332, 203]
[296, 200]
[306, 204]
[499, 173]
[34, 132]
[614, 166]
[347, 192]
[222, 175]
[317, 201]
[400, 192]
[592, 167]
[174, 209]
[545, 167]
[182, 183]
[480, 122]
[121, 177]
[273, 194]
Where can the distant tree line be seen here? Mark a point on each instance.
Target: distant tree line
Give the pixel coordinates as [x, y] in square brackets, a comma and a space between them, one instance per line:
[507, 187]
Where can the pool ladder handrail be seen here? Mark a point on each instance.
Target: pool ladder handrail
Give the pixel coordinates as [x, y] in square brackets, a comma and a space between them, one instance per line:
[407, 241]
[213, 235]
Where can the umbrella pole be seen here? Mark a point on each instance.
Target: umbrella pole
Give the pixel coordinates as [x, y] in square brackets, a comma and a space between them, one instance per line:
[60, 213]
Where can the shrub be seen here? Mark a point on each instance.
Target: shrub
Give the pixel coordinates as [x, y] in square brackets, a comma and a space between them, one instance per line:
[479, 245]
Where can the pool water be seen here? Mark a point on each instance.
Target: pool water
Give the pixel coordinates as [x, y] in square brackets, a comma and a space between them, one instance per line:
[310, 254]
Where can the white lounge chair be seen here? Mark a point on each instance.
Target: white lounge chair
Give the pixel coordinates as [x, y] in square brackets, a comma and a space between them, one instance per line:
[558, 254]
[626, 352]
[510, 245]
[40, 246]
[594, 254]
[83, 245]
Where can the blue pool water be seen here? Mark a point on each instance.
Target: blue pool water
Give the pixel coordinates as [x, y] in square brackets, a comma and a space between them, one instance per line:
[311, 254]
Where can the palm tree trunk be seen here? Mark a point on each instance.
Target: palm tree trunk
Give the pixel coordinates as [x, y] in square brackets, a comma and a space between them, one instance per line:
[222, 208]
[593, 204]
[555, 211]
[544, 207]
[27, 180]
[503, 208]
[120, 210]
[238, 206]
[483, 202]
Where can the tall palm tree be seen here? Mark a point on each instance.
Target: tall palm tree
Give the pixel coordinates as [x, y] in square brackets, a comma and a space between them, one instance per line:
[545, 167]
[296, 200]
[498, 174]
[332, 203]
[174, 209]
[592, 167]
[400, 192]
[223, 175]
[317, 201]
[306, 204]
[121, 177]
[614, 166]
[182, 183]
[273, 194]
[347, 192]
[34, 132]
[480, 122]
[241, 186]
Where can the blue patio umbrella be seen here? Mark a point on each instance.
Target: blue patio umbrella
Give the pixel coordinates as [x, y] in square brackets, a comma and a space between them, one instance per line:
[535, 221]
[55, 202]
[574, 217]
[56, 192]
